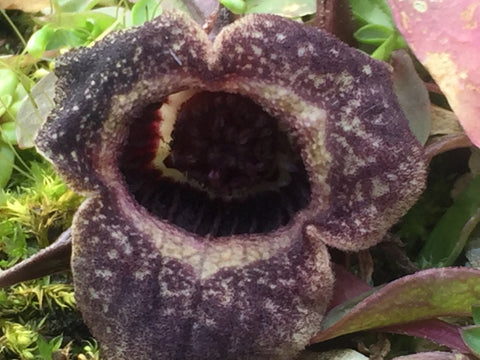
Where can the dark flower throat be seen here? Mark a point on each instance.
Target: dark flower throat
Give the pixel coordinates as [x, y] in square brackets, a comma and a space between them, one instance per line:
[235, 171]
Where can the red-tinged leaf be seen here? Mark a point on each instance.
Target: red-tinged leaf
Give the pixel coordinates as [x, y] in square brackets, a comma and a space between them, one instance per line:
[424, 295]
[438, 145]
[351, 290]
[433, 355]
[445, 36]
[347, 286]
[437, 331]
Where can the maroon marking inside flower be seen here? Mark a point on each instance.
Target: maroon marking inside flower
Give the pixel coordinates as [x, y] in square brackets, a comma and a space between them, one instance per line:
[225, 142]
[241, 174]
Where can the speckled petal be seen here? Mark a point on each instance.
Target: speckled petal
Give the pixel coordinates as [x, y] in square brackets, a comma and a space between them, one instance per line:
[148, 291]
[151, 290]
[100, 90]
[366, 168]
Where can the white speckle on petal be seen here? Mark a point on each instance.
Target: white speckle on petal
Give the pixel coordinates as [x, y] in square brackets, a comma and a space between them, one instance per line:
[420, 6]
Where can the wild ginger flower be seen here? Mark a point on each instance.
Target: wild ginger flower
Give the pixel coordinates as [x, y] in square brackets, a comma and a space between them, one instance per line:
[216, 174]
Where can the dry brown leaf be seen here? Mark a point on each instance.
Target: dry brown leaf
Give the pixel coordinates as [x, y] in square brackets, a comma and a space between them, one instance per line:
[444, 121]
[440, 144]
[24, 5]
[474, 161]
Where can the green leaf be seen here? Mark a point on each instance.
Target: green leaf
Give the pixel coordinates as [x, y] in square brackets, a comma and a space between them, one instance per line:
[424, 295]
[471, 337]
[287, 8]
[383, 51]
[448, 238]
[8, 82]
[476, 313]
[47, 348]
[377, 28]
[11, 113]
[98, 19]
[14, 243]
[69, 30]
[145, 10]
[373, 34]
[235, 6]
[75, 6]
[65, 37]
[5, 102]
[37, 44]
[373, 12]
[7, 133]
[7, 157]
[20, 92]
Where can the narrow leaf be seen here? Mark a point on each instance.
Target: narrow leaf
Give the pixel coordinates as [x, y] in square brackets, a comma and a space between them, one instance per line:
[373, 34]
[451, 233]
[434, 330]
[424, 295]
[384, 51]
[433, 355]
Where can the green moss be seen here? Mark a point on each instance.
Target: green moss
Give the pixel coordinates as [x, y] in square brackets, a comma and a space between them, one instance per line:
[38, 318]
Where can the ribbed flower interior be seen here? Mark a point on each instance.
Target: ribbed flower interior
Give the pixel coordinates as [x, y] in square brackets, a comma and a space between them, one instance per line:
[224, 167]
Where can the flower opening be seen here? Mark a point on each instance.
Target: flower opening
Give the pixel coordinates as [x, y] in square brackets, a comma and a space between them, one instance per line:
[216, 164]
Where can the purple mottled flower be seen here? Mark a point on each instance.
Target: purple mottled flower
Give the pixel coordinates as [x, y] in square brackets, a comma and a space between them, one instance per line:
[216, 174]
